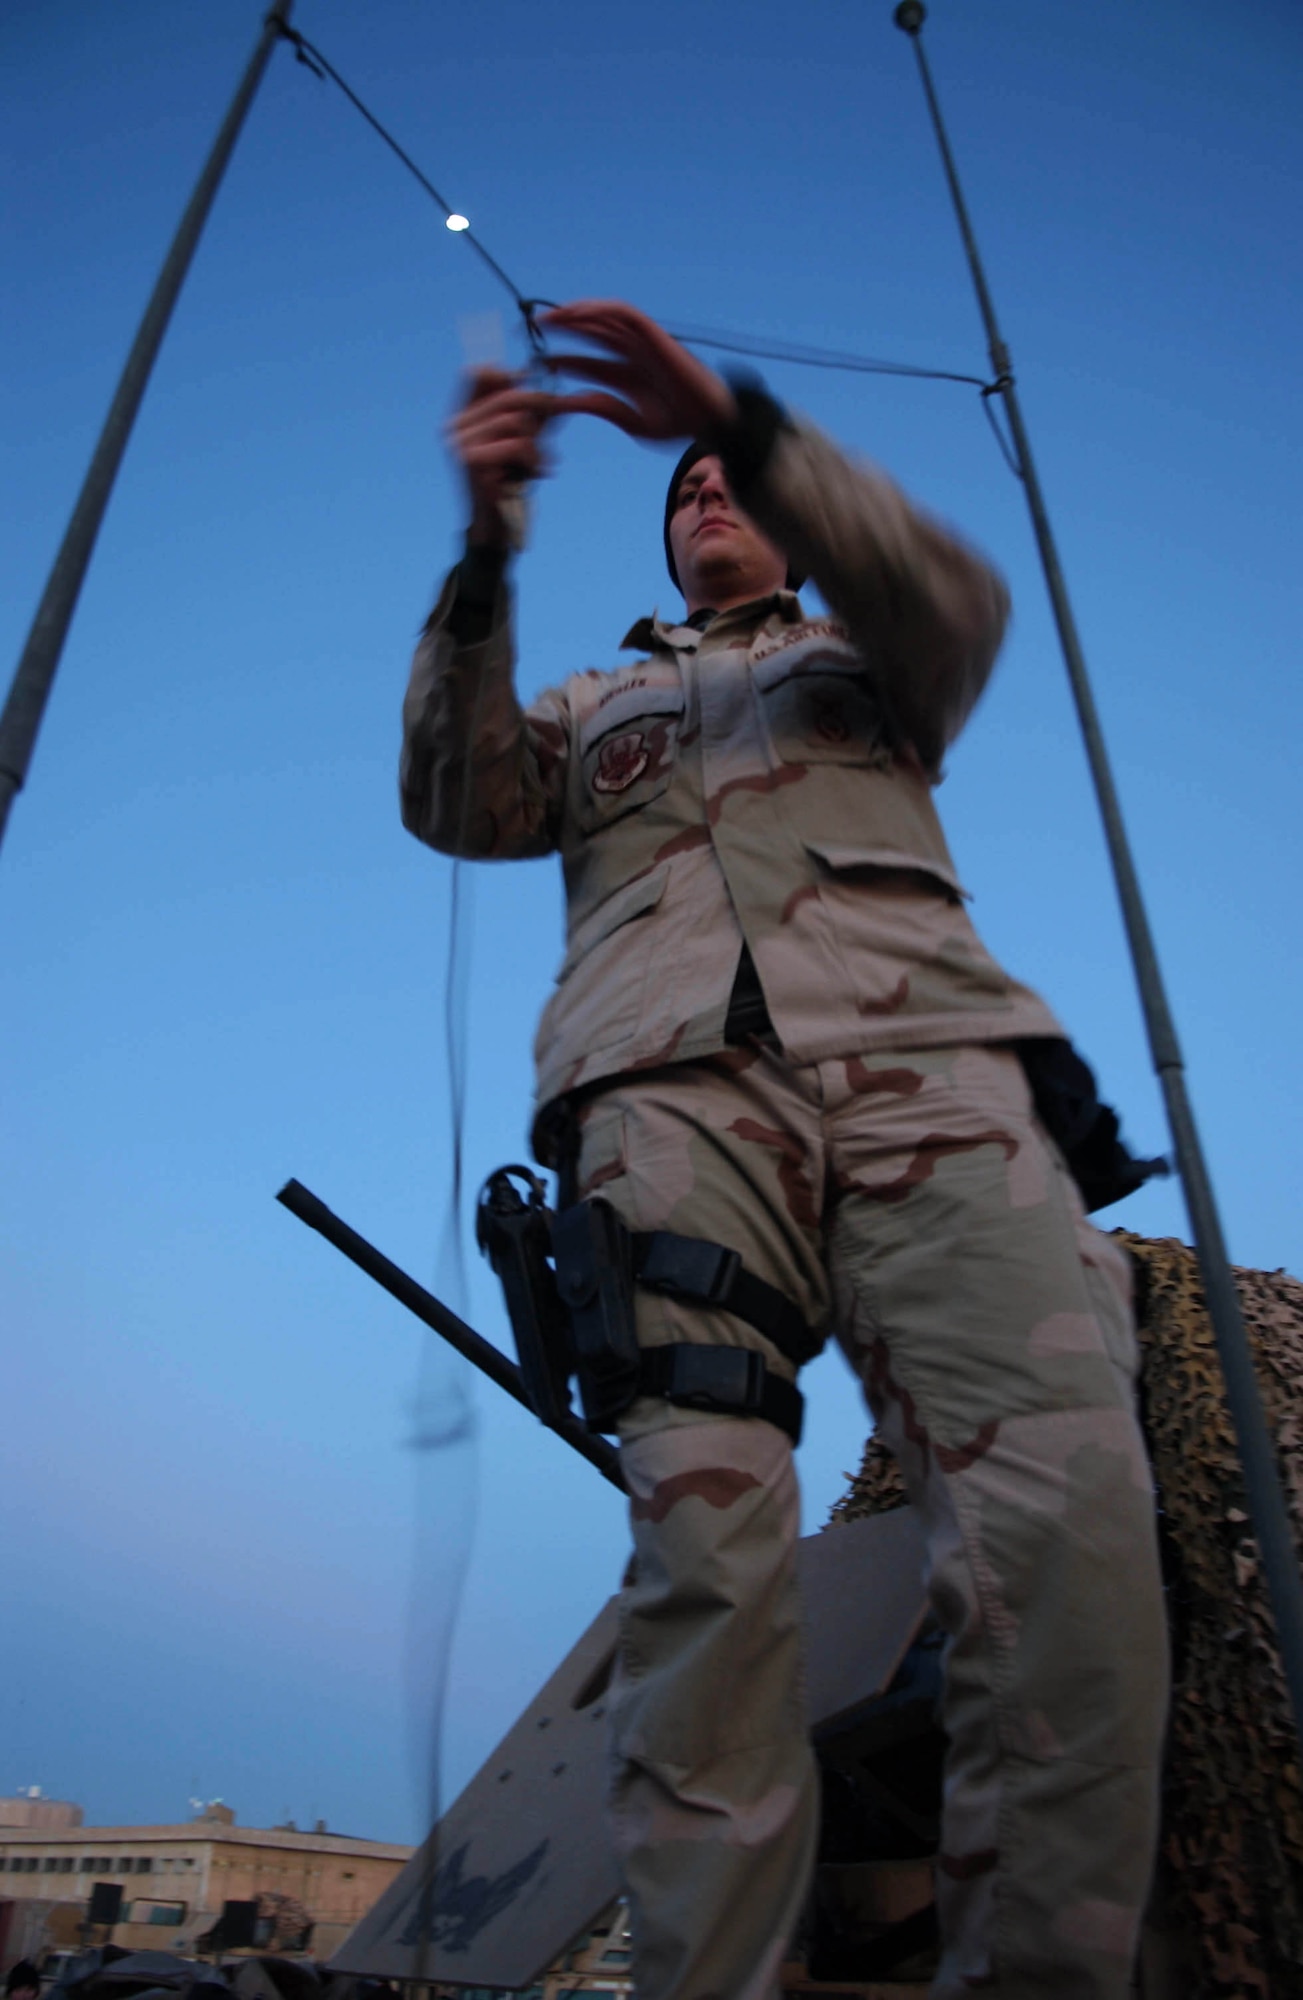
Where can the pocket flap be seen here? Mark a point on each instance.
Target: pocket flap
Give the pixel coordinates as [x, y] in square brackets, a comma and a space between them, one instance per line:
[821, 656]
[634, 900]
[624, 707]
[841, 859]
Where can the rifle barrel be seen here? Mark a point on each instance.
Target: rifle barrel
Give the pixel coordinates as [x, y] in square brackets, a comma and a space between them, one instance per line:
[433, 1313]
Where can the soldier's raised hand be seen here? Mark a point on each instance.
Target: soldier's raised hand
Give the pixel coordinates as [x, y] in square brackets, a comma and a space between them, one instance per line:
[662, 390]
[495, 439]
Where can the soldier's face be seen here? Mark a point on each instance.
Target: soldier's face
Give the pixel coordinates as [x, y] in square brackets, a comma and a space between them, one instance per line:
[721, 556]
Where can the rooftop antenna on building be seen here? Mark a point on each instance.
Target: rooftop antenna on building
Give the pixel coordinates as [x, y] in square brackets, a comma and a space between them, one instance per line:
[1267, 1510]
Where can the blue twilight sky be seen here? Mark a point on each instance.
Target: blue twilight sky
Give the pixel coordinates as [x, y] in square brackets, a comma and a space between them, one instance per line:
[223, 958]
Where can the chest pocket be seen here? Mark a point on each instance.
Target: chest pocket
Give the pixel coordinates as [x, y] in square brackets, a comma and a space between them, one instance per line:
[627, 751]
[820, 709]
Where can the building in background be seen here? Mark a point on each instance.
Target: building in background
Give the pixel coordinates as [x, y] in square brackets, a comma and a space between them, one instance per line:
[32, 1809]
[175, 1879]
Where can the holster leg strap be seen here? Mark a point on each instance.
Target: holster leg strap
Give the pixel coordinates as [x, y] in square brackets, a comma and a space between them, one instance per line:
[732, 1381]
[691, 1267]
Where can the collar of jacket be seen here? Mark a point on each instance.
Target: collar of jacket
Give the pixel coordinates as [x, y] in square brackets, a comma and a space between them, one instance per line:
[647, 635]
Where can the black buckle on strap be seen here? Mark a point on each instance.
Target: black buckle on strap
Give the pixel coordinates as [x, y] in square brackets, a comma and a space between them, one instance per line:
[731, 1381]
[688, 1267]
[716, 1378]
[691, 1267]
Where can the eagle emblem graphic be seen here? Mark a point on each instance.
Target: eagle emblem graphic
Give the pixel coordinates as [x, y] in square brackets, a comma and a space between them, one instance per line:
[454, 1908]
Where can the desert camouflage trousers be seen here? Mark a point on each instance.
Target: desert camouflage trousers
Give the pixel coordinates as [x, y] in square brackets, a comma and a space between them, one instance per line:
[912, 1203]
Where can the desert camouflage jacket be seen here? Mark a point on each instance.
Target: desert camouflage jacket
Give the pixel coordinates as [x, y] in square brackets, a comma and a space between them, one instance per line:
[768, 780]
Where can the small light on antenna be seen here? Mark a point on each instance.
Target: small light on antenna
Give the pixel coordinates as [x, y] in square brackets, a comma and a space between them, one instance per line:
[458, 222]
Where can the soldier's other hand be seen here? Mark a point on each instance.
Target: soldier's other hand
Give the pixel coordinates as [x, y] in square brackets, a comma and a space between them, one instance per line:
[495, 439]
[663, 391]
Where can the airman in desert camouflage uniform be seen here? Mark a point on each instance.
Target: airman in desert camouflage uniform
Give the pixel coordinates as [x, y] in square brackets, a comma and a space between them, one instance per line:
[780, 1032]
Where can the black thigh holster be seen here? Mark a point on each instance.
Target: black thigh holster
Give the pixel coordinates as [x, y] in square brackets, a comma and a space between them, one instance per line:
[569, 1282]
[591, 1249]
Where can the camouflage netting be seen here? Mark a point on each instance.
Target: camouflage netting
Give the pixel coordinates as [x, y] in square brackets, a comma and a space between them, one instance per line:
[290, 1920]
[1233, 1806]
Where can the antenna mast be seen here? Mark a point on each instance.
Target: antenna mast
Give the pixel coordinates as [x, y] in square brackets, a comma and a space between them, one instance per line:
[30, 689]
[1271, 1522]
